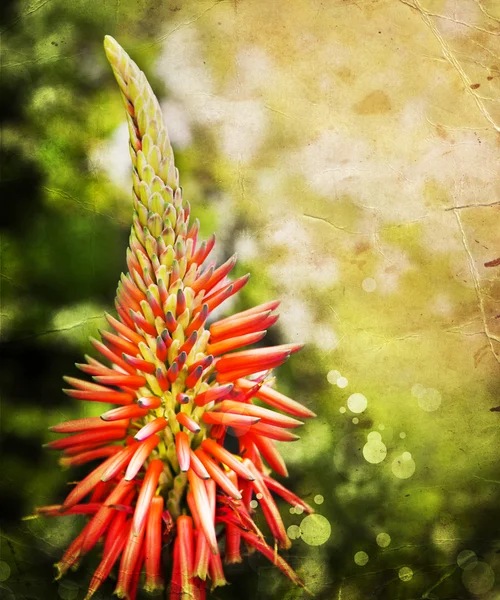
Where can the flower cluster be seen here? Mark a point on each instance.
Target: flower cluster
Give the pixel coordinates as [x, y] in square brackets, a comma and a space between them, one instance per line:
[167, 476]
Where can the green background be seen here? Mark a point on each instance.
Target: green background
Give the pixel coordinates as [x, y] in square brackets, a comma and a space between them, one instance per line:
[348, 151]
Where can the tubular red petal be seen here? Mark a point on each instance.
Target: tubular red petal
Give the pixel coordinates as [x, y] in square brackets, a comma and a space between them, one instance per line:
[193, 378]
[133, 381]
[120, 461]
[140, 322]
[270, 453]
[150, 428]
[120, 343]
[111, 356]
[98, 525]
[202, 280]
[109, 396]
[233, 343]
[140, 363]
[269, 507]
[232, 554]
[146, 494]
[276, 399]
[255, 357]
[229, 419]
[286, 494]
[140, 456]
[56, 510]
[109, 559]
[87, 424]
[275, 433]
[205, 517]
[182, 448]
[125, 331]
[203, 362]
[225, 457]
[187, 422]
[150, 402]
[186, 557]
[153, 545]
[88, 437]
[214, 393]
[217, 474]
[132, 411]
[237, 326]
[267, 416]
[197, 466]
[130, 556]
[189, 343]
[87, 456]
[219, 274]
[87, 386]
[199, 320]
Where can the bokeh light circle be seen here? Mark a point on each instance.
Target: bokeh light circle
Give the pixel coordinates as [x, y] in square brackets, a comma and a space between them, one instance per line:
[348, 458]
[478, 578]
[361, 558]
[293, 532]
[342, 382]
[357, 403]
[383, 540]
[374, 451]
[466, 558]
[403, 467]
[4, 570]
[332, 376]
[430, 400]
[68, 590]
[369, 284]
[315, 530]
[318, 499]
[405, 573]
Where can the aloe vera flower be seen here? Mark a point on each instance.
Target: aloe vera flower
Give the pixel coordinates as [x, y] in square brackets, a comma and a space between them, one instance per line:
[169, 498]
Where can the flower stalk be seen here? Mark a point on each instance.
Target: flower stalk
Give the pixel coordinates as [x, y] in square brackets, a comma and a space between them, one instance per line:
[179, 384]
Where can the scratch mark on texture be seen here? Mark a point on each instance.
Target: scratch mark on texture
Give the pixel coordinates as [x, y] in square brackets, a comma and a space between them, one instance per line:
[450, 57]
[477, 286]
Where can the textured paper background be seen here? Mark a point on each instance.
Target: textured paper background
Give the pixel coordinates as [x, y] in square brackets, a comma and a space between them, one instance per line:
[348, 152]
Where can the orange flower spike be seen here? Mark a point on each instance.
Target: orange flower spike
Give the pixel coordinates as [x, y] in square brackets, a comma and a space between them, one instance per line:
[146, 494]
[160, 368]
[153, 544]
